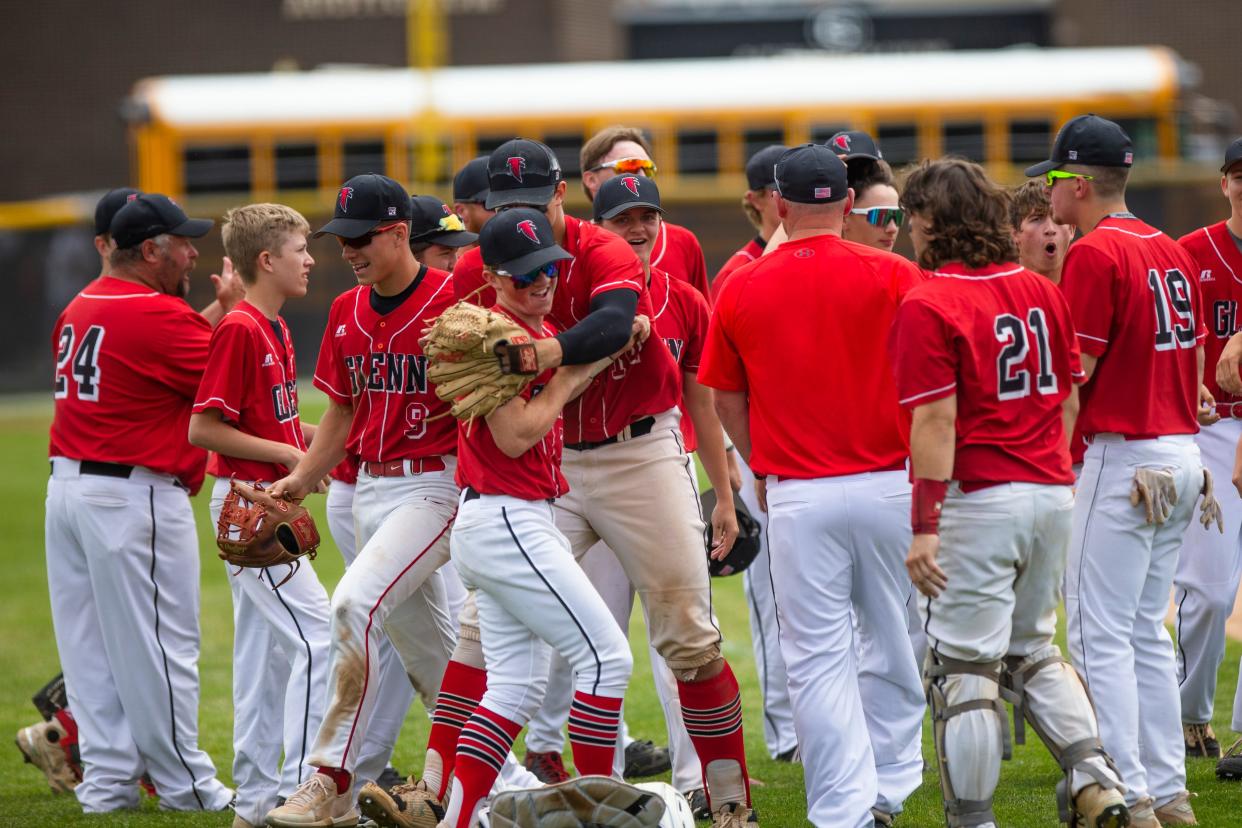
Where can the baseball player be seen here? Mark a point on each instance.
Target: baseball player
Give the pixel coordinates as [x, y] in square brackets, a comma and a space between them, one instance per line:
[382, 410]
[246, 414]
[437, 234]
[470, 194]
[617, 150]
[1134, 295]
[985, 356]
[759, 208]
[1041, 242]
[631, 482]
[122, 553]
[836, 495]
[1210, 565]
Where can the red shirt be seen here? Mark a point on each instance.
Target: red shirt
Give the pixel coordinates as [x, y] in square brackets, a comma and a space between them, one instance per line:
[128, 362]
[1220, 286]
[346, 471]
[1135, 298]
[680, 319]
[536, 474]
[1001, 339]
[678, 253]
[374, 362]
[251, 378]
[804, 331]
[637, 384]
[752, 250]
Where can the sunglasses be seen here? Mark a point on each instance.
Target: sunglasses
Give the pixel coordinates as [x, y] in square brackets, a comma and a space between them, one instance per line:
[881, 216]
[1052, 176]
[362, 241]
[521, 281]
[633, 166]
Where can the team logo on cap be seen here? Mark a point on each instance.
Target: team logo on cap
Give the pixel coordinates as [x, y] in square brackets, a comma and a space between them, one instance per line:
[842, 142]
[527, 228]
[516, 165]
[631, 184]
[131, 197]
[343, 198]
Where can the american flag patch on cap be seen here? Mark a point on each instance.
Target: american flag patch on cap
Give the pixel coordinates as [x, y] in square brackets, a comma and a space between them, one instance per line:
[823, 192]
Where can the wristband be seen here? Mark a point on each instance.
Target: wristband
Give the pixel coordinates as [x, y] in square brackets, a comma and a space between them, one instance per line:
[517, 356]
[926, 501]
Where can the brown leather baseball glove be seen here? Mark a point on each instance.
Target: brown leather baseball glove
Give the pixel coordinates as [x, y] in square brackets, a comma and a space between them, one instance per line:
[478, 359]
[257, 530]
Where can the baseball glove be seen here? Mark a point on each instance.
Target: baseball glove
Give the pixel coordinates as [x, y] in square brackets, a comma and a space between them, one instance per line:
[478, 359]
[258, 530]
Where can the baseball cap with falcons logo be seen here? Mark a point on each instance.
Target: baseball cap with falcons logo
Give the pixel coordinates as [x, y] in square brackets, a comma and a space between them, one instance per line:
[110, 205]
[522, 172]
[854, 143]
[519, 241]
[365, 202]
[623, 192]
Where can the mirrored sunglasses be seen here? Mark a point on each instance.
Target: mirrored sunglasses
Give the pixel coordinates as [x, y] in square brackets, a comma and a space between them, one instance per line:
[522, 281]
[633, 166]
[881, 216]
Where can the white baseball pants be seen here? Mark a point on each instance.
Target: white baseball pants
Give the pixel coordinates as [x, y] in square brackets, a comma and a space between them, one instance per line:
[1117, 586]
[1206, 582]
[280, 673]
[839, 543]
[123, 575]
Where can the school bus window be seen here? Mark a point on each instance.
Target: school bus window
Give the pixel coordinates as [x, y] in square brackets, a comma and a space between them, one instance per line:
[1029, 141]
[965, 140]
[364, 157]
[216, 169]
[898, 142]
[566, 146]
[697, 152]
[756, 139]
[297, 166]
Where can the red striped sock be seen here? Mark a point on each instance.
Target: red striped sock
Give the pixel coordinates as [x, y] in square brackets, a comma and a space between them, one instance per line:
[712, 710]
[593, 725]
[460, 693]
[481, 750]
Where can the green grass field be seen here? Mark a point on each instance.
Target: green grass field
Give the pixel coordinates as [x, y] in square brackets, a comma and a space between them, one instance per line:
[28, 659]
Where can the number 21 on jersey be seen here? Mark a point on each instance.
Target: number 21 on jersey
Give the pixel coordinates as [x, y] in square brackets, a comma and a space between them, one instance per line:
[82, 363]
[1013, 381]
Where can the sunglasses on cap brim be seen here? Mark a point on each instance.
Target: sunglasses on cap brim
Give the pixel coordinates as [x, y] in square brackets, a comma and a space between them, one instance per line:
[525, 280]
[881, 216]
[633, 166]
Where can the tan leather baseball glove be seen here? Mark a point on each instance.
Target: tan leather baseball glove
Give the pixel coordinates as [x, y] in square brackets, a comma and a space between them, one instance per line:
[258, 530]
[478, 359]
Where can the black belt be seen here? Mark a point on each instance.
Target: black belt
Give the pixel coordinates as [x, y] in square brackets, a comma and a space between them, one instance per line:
[471, 494]
[105, 469]
[638, 428]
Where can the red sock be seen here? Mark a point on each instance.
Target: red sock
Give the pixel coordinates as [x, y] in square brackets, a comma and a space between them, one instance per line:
[593, 725]
[342, 778]
[460, 693]
[481, 750]
[712, 710]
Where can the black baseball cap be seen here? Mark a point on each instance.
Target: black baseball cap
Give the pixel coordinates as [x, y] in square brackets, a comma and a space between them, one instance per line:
[363, 203]
[854, 143]
[470, 184]
[434, 223]
[1232, 155]
[761, 166]
[621, 192]
[151, 214]
[1089, 140]
[811, 174]
[112, 201]
[522, 172]
[519, 241]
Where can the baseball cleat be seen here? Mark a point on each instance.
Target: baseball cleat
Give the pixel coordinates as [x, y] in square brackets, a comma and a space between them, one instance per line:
[882, 818]
[43, 745]
[698, 804]
[405, 806]
[1100, 807]
[1143, 814]
[390, 778]
[1200, 740]
[598, 801]
[1177, 811]
[315, 804]
[645, 758]
[1229, 768]
[734, 815]
[548, 768]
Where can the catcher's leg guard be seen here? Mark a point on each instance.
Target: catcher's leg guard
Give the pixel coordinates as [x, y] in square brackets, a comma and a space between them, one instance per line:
[1048, 694]
[971, 732]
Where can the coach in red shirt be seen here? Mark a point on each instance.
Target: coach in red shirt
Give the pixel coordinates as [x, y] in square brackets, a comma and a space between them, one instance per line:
[832, 443]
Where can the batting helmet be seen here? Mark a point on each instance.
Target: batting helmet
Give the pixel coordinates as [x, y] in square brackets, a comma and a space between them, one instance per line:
[745, 548]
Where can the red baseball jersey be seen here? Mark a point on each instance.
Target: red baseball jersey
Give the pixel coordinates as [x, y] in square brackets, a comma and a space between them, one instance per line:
[374, 362]
[678, 253]
[346, 471]
[251, 378]
[536, 475]
[680, 319]
[804, 332]
[128, 363]
[639, 383]
[1001, 338]
[1220, 285]
[1134, 294]
[752, 250]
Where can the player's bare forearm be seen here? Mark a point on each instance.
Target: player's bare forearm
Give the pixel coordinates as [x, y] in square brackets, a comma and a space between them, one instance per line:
[1227, 365]
[213, 313]
[308, 432]
[1069, 415]
[933, 439]
[208, 430]
[702, 413]
[733, 409]
[1200, 361]
[520, 423]
[323, 455]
